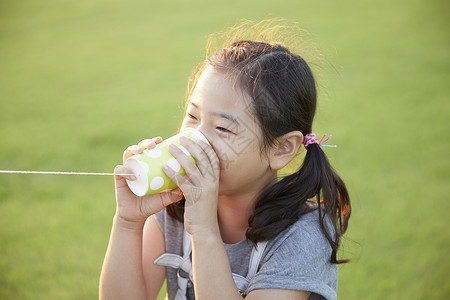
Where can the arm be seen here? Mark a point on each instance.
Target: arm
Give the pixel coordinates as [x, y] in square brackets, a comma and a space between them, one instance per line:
[268, 294]
[128, 270]
[122, 276]
[135, 240]
[153, 247]
[211, 268]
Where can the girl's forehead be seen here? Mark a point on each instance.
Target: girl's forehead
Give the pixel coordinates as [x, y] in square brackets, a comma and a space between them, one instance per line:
[219, 90]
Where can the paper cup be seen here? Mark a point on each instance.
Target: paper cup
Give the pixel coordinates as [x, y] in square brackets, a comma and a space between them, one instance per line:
[150, 178]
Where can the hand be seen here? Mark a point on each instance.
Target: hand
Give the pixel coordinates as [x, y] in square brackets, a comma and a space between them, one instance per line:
[134, 209]
[200, 185]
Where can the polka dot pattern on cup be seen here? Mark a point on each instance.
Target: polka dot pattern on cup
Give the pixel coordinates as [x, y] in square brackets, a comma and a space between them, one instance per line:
[156, 183]
[174, 164]
[154, 153]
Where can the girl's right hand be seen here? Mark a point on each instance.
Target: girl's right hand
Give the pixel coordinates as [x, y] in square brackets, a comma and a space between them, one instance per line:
[132, 208]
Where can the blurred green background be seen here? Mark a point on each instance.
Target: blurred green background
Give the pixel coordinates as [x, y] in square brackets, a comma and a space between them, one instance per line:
[82, 80]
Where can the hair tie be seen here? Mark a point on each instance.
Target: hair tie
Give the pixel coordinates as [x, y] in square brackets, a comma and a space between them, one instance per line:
[311, 138]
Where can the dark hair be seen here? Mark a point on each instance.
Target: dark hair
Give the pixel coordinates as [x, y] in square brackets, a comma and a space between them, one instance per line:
[283, 89]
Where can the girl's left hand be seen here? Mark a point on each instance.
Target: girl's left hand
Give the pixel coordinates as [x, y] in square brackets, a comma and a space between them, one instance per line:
[200, 185]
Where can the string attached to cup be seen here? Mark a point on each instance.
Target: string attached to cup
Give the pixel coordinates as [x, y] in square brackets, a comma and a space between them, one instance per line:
[59, 173]
[146, 168]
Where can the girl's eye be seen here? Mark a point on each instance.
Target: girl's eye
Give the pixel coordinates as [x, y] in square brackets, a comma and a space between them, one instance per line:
[191, 116]
[223, 129]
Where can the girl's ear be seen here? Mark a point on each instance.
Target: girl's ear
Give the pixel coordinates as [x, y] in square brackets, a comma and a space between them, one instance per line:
[285, 150]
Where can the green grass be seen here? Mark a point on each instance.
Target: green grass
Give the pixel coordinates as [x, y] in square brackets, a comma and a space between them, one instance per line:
[80, 81]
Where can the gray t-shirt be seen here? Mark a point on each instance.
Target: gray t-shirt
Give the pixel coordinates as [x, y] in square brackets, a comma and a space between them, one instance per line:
[297, 259]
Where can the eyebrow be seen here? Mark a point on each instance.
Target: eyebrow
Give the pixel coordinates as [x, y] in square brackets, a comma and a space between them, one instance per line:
[220, 114]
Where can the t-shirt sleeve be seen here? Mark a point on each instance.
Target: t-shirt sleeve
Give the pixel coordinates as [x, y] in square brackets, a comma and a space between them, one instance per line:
[300, 260]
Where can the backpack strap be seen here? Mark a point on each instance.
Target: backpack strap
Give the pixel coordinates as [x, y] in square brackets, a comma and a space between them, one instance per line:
[255, 259]
[242, 283]
[181, 264]
[185, 264]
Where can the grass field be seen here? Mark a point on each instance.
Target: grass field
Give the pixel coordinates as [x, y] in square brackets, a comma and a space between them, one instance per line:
[82, 80]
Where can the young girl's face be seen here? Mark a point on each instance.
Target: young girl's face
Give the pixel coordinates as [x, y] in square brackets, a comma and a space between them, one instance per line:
[222, 113]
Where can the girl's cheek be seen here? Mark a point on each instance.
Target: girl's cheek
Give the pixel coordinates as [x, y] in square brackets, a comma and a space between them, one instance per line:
[220, 152]
[183, 125]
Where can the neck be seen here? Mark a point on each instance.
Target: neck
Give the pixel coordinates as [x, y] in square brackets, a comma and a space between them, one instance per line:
[233, 212]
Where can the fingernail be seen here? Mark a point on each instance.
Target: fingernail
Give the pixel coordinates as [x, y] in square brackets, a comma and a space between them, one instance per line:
[132, 177]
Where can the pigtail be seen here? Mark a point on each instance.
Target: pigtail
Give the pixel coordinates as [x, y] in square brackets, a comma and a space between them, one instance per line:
[332, 199]
[280, 205]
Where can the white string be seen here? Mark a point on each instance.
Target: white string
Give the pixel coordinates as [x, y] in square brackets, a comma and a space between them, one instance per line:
[59, 173]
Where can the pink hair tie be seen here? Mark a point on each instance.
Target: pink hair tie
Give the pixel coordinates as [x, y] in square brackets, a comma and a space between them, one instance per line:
[311, 138]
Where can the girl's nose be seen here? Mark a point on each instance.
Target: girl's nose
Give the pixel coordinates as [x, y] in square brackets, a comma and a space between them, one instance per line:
[205, 133]
[200, 128]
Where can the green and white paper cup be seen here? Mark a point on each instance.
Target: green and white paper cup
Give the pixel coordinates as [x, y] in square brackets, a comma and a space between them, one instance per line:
[150, 178]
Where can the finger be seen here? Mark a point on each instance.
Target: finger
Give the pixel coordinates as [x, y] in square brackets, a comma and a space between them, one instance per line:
[178, 193]
[120, 182]
[185, 161]
[150, 205]
[170, 197]
[213, 158]
[201, 158]
[150, 143]
[157, 139]
[132, 150]
[181, 181]
[147, 144]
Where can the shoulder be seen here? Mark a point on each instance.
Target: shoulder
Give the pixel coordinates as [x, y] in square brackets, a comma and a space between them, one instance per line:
[299, 259]
[304, 235]
[302, 244]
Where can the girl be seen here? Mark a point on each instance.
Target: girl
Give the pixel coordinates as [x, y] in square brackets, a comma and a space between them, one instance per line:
[233, 229]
